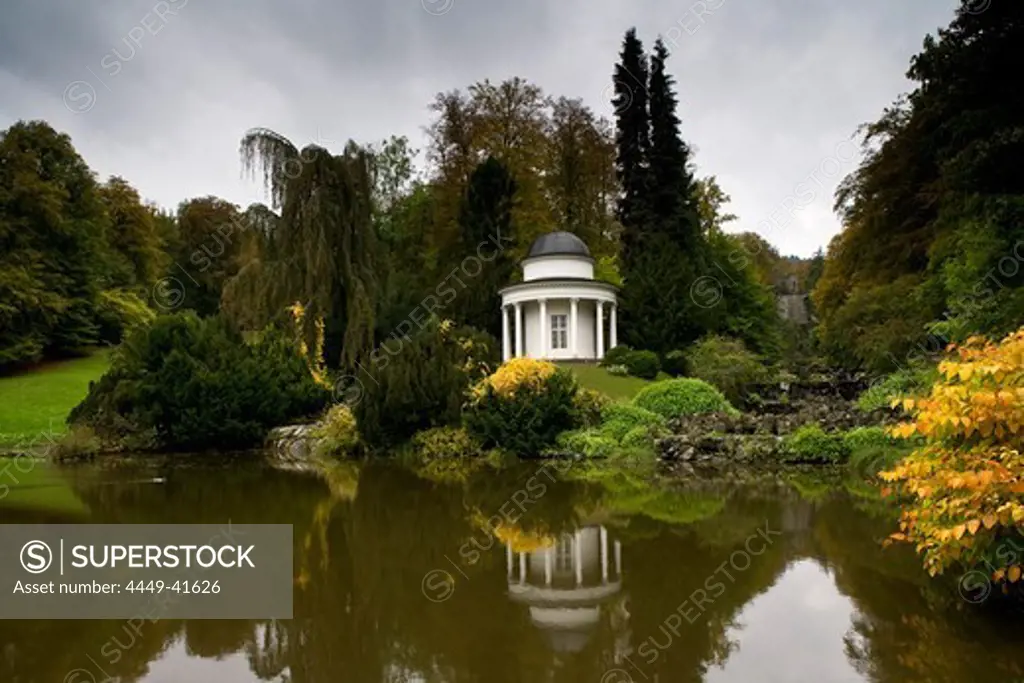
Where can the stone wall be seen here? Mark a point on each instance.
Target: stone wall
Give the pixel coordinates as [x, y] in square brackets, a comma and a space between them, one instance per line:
[752, 437]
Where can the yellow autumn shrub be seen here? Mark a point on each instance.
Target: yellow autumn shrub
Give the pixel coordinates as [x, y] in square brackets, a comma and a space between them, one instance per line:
[516, 373]
[963, 489]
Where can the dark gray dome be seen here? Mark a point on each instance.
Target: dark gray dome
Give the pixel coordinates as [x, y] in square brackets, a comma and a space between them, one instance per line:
[560, 242]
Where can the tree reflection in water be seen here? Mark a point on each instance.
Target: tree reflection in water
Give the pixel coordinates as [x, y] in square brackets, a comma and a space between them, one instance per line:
[584, 581]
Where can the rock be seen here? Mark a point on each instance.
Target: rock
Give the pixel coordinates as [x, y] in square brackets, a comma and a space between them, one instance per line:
[719, 439]
[293, 446]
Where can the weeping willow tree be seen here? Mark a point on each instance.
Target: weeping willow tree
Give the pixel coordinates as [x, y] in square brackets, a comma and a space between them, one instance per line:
[314, 245]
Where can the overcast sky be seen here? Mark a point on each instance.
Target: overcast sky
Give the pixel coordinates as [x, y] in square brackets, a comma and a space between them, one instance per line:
[161, 92]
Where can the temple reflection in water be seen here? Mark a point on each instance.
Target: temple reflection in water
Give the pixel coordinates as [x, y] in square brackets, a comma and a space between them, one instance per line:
[567, 584]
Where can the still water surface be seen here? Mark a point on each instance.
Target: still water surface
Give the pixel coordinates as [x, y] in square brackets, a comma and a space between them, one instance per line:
[601, 578]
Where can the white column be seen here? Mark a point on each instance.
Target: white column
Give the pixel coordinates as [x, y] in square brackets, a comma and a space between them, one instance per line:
[543, 352]
[547, 565]
[618, 560]
[573, 332]
[508, 561]
[522, 567]
[604, 555]
[600, 330]
[519, 329]
[614, 322]
[577, 547]
[506, 350]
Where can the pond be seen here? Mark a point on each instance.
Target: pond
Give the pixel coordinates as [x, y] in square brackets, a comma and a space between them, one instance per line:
[596, 576]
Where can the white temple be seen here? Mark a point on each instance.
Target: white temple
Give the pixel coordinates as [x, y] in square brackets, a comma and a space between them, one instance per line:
[559, 311]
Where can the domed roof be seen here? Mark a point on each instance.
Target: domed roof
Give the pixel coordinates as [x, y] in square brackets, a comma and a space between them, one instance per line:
[560, 242]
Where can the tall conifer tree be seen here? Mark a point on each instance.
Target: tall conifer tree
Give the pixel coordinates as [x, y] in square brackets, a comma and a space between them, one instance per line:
[671, 192]
[633, 139]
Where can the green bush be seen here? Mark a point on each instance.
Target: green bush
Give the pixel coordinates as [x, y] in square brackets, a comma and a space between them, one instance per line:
[862, 438]
[444, 442]
[727, 364]
[872, 450]
[899, 384]
[642, 437]
[423, 385]
[590, 443]
[193, 383]
[642, 364]
[616, 355]
[523, 407]
[674, 363]
[338, 432]
[590, 405]
[685, 396]
[618, 419]
[811, 443]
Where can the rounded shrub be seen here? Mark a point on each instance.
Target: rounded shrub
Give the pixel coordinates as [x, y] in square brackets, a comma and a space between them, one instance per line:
[618, 419]
[338, 432]
[811, 443]
[616, 355]
[189, 383]
[643, 364]
[444, 442]
[862, 438]
[523, 406]
[726, 364]
[589, 405]
[590, 443]
[685, 396]
[640, 437]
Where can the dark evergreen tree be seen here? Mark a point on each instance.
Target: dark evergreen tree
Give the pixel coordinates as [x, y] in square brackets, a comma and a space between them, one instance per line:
[485, 233]
[671, 293]
[633, 140]
[658, 209]
[671, 191]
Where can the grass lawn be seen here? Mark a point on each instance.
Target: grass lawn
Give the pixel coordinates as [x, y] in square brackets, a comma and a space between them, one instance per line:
[34, 404]
[617, 388]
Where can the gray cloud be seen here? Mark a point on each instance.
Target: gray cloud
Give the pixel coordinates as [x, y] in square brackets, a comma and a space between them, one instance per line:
[768, 89]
